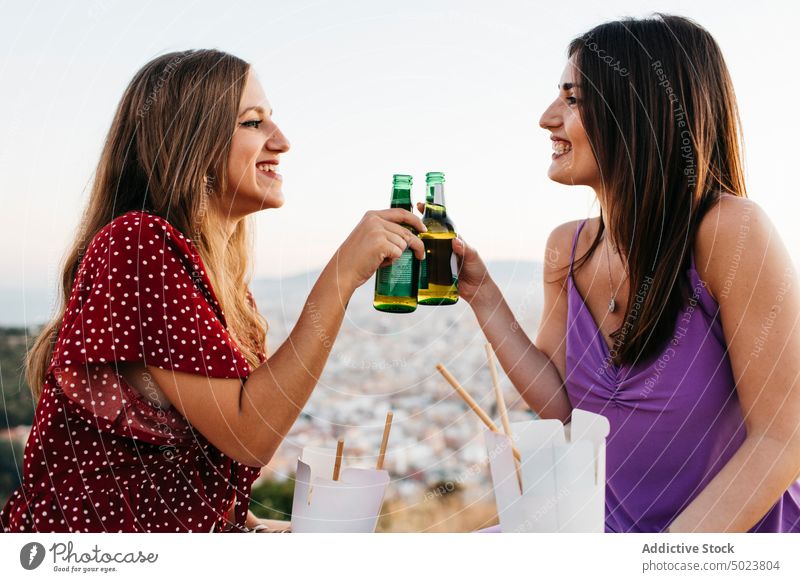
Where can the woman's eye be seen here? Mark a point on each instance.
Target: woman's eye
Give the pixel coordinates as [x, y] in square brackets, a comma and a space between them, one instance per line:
[252, 123]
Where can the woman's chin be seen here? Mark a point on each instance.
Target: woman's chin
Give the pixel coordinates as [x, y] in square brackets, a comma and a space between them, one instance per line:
[562, 175]
[272, 199]
[558, 175]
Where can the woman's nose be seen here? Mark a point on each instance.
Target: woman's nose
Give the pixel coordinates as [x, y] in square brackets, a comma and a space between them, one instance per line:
[277, 142]
[551, 116]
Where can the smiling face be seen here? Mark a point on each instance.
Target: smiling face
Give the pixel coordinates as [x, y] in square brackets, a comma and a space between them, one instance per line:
[573, 162]
[257, 144]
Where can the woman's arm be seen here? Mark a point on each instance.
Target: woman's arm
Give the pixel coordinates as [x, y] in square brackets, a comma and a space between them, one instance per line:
[248, 421]
[531, 370]
[759, 297]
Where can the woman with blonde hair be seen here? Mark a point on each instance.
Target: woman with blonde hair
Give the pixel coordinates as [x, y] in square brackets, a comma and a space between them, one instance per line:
[157, 403]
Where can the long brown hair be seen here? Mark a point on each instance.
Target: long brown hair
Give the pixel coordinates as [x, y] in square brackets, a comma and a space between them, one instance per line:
[166, 153]
[659, 109]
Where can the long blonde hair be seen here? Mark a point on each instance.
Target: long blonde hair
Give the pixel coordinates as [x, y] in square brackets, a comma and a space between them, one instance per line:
[166, 153]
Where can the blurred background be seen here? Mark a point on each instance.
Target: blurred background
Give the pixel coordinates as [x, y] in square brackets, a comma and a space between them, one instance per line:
[363, 90]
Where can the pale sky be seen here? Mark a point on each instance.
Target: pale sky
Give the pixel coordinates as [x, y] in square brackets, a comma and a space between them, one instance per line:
[363, 90]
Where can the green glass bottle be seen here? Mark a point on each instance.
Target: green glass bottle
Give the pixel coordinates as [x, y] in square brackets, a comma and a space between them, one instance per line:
[438, 281]
[396, 284]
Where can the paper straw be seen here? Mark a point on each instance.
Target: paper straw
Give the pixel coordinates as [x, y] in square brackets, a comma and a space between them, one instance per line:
[501, 403]
[387, 427]
[472, 404]
[338, 465]
[498, 393]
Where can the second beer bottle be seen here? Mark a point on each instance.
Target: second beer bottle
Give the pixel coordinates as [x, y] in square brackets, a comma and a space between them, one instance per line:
[396, 284]
[438, 280]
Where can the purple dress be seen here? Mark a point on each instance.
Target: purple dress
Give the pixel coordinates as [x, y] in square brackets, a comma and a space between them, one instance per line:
[675, 418]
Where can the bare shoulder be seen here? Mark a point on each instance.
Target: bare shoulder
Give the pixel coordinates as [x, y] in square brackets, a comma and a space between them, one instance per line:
[553, 323]
[734, 233]
[559, 248]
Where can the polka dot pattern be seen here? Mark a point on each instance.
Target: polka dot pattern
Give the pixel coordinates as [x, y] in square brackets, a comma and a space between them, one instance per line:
[102, 456]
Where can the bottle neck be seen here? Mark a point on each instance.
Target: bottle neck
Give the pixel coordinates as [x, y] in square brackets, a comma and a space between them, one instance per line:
[435, 194]
[434, 201]
[401, 198]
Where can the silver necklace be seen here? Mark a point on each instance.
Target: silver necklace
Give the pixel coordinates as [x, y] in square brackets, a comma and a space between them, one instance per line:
[612, 304]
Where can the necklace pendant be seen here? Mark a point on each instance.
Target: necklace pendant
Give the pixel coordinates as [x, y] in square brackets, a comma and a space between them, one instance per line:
[612, 305]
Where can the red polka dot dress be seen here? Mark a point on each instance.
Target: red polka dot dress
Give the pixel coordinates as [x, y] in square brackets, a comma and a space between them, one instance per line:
[102, 456]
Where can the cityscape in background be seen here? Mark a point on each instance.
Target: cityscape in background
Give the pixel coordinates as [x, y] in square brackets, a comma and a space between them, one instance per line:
[381, 362]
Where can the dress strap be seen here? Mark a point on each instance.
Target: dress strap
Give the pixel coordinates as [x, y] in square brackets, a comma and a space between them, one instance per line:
[575, 243]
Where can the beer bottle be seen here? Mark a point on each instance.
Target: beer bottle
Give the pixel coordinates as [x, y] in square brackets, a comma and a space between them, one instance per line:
[396, 284]
[438, 281]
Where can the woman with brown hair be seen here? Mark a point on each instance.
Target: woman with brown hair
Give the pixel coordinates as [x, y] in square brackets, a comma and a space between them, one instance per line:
[157, 404]
[679, 320]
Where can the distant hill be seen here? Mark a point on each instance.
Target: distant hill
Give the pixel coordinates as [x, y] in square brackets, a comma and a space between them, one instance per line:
[24, 307]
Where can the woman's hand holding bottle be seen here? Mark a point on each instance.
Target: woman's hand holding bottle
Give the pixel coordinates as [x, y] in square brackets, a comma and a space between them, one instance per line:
[473, 277]
[377, 240]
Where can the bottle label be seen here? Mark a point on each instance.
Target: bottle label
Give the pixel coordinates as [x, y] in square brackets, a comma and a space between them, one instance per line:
[397, 279]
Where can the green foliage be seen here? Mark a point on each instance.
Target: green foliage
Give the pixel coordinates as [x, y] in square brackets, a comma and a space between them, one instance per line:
[10, 468]
[16, 402]
[16, 405]
[273, 499]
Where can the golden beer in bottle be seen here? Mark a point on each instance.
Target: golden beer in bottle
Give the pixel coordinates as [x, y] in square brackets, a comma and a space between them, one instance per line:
[438, 280]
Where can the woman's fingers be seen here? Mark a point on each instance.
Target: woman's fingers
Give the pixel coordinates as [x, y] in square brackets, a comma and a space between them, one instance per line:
[398, 242]
[391, 249]
[411, 240]
[402, 216]
[421, 207]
